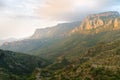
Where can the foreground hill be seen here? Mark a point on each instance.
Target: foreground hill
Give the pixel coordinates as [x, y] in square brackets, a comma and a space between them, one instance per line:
[14, 64]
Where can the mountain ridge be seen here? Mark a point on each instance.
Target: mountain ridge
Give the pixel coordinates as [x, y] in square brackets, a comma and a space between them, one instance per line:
[60, 30]
[101, 27]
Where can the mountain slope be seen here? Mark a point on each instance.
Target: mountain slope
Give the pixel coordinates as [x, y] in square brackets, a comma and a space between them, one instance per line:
[40, 37]
[58, 31]
[74, 45]
[19, 64]
[101, 62]
[82, 38]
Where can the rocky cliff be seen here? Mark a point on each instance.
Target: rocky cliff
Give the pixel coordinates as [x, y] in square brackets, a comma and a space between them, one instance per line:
[60, 30]
[99, 22]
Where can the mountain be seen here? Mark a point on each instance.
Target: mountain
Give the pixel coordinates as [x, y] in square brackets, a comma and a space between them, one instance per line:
[96, 23]
[104, 27]
[68, 38]
[14, 64]
[7, 40]
[87, 50]
[41, 37]
[60, 30]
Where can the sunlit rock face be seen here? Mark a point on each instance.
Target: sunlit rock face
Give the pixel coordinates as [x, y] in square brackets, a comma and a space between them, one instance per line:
[100, 22]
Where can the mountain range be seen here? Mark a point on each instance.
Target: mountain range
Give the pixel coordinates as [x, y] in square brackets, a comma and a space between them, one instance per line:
[88, 49]
[93, 29]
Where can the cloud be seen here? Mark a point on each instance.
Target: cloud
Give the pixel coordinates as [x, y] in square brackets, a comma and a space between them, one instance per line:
[1, 4]
[54, 8]
[73, 9]
[19, 7]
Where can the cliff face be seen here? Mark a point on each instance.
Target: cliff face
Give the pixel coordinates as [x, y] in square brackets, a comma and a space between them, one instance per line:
[99, 22]
[59, 30]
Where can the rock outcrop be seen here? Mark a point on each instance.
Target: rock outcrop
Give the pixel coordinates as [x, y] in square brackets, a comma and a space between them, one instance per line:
[99, 22]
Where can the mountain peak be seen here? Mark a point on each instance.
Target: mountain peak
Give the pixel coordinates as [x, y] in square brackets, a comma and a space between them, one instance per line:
[105, 14]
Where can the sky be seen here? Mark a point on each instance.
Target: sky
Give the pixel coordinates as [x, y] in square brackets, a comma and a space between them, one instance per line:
[20, 18]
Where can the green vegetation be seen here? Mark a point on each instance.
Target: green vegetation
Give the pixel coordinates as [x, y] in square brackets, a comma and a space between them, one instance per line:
[17, 66]
[101, 62]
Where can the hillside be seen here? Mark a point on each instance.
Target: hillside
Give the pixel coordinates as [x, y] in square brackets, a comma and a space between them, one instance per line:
[58, 31]
[17, 64]
[100, 62]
